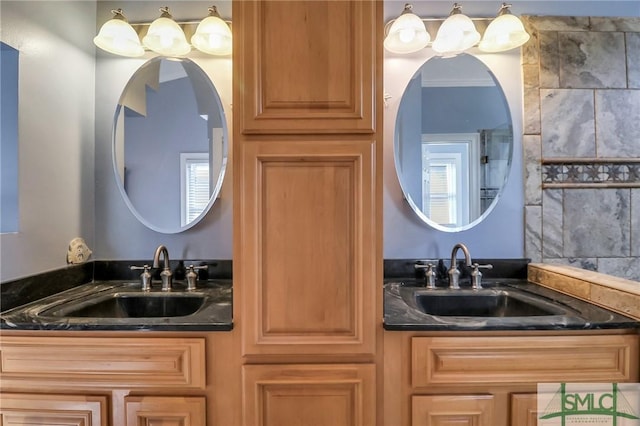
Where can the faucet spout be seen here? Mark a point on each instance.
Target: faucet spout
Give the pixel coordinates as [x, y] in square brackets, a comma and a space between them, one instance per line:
[454, 273]
[165, 275]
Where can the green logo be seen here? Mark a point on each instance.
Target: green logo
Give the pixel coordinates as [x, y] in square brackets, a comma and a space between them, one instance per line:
[584, 400]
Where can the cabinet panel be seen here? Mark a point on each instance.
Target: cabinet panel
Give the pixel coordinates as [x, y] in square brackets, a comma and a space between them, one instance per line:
[308, 66]
[321, 395]
[308, 237]
[103, 362]
[524, 409]
[46, 410]
[165, 411]
[452, 410]
[504, 360]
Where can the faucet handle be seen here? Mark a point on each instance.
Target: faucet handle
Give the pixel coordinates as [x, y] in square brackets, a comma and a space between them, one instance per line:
[476, 275]
[192, 276]
[429, 274]
[145, 276]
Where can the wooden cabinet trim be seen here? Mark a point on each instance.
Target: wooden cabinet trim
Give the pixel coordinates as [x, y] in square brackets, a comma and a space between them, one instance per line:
[524, 409]
[44, 409]
[295, 390]
[289, 328]
[280, 95]
[169, 410]
[509, 360]
[109, 362]
[443, 410]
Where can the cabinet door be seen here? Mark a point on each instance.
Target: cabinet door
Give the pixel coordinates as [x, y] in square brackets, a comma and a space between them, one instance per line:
[307, 247]
[165, 411]
[452, 410]
[46, 410]
[524, 409]
[308, 66]
[319, 395]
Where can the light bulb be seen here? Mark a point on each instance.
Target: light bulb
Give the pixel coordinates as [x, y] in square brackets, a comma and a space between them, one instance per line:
[118, 37]
[407, 34]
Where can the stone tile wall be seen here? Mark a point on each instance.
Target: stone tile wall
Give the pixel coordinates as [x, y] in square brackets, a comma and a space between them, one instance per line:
[582, 143]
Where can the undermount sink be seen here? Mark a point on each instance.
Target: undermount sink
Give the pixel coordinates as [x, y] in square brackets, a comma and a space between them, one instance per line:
[487, 303]
[133, 305]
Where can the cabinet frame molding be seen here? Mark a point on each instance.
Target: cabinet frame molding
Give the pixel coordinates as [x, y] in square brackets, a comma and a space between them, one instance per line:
[356, 334]
[305, 108]
[108, 362]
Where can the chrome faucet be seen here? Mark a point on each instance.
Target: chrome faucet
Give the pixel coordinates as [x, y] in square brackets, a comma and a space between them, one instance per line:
[165, 275]
[454, 273]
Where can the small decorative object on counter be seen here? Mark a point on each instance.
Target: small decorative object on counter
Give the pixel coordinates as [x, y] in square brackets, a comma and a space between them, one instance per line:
[78, 251]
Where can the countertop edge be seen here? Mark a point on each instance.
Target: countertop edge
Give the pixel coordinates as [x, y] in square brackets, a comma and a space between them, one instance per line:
[613, 293]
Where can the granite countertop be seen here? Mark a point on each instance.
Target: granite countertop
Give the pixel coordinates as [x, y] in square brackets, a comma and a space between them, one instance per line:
[52, 312]
[401, 313]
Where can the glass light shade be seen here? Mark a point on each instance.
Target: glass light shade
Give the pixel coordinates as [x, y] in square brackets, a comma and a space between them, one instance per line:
[118, 37]
[407, 34]
[213, 36]
[504, 33]
[456, 34]
[166, 37]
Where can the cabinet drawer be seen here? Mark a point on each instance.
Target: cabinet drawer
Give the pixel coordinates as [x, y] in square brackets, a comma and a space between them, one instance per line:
[445, 410]
[309, 394]
[103, 362]
[165, 410]
[508, 360]
[45, 410]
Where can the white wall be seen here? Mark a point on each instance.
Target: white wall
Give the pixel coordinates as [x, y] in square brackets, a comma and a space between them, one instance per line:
[501, 234]
[56, 132]
[119, 235]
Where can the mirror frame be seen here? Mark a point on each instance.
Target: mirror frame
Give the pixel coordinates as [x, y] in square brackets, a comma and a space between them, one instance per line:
[419, 213]
[215, 192]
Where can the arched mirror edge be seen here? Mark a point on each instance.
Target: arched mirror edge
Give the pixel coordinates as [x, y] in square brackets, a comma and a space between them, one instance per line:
[215, 193]
[481, 58]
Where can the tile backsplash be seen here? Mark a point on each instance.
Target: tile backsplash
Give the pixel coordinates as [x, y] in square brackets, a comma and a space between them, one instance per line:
[582, 143]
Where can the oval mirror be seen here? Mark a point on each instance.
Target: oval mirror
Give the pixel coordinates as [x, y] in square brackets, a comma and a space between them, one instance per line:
[453, 142]
[170, 144]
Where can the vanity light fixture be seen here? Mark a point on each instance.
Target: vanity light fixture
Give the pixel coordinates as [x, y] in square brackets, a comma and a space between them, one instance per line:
[118, 37]
[213, 35]
[506, 32]
[456, 34]
[166, 37]
[407, 33]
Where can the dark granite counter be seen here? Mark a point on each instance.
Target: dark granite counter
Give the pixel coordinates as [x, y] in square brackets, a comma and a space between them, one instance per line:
[402, 313]
[55, 312]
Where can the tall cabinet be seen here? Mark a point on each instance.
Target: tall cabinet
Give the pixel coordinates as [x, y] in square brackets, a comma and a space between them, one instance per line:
[307, 202]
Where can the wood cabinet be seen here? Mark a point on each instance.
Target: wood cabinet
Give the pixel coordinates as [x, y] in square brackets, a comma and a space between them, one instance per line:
[308, 239]
[17, 409]
[307, 209]
[444, 410]
[315, 394]
[165, 410]
[492, 380]
[124, 378]
[307, 67]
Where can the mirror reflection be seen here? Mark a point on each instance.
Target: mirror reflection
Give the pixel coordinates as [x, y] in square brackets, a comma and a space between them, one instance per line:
[453, 142]
[170, 144]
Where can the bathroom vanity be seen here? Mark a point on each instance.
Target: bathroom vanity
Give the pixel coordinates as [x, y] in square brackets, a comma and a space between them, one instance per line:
[480, 363]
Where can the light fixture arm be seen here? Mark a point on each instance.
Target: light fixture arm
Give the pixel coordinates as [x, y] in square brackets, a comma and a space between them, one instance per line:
[213, 11]
[165, 12]
[504, 9]
[457, 9]
[119, 14]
